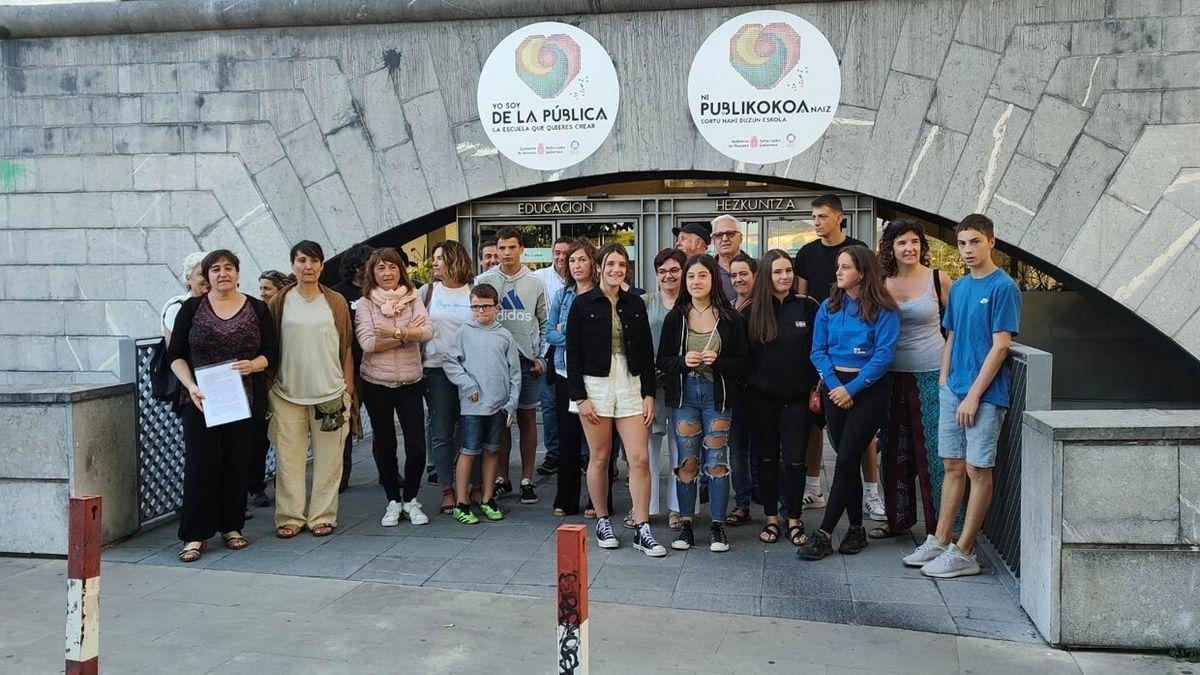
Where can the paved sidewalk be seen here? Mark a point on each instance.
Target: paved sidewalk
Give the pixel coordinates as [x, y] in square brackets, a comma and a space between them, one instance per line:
[157, 619]
[516, 556]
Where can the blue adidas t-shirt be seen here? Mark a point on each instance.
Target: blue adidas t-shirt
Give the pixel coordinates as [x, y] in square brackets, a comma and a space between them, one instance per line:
[977, 309]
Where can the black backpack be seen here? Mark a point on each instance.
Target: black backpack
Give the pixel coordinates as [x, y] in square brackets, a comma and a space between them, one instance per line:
[164, 386]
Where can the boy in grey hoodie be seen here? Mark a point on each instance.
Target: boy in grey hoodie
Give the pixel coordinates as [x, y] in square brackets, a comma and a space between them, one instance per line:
[523, 310]
[483, 362]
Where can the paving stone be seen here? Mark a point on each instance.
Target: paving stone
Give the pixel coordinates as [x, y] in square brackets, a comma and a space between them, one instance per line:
[71, 110]
[659, 598]
[925, 36]
[327, 564]
[1119, 116]
[718, 602]
[893, 590]
[107, 173]
[931, 618]
[475, 570]
[545, 572]
[998, 630]
[717, 580]
[898, 123]
[380, 109]
[1157, 71]
[789, 583]
[1052, 131]
[264, 561]
[437, 547]
[996, 598]
[1116, 36]
[961, 86]
[1071, 198]
[983, 161]
[228, 106]
[305, 147]
[116, 109]
[533, 591]
[172, 107]
[465, 586]
[500, 549]
[143, 138]
[636, 577]
[410, 571]
[809, 609]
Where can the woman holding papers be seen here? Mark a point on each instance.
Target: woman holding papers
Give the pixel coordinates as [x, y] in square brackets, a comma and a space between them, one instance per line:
[222, 336]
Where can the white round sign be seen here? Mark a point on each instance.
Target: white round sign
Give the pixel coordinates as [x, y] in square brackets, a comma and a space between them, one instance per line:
[548, 96]
[764, 86]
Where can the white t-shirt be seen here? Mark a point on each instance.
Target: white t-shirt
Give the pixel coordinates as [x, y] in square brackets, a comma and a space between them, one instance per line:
[171, 310]
[554, 284]
[449, 309]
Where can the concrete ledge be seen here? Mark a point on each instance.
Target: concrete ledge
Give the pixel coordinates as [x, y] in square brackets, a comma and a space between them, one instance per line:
[159, 16]
[1116, 425]
[60, 441]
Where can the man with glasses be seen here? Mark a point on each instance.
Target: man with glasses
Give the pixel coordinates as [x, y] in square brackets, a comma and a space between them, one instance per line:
[727, 237]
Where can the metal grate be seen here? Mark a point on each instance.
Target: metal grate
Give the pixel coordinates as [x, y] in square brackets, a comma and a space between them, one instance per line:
[1002, 526]
[159, 445]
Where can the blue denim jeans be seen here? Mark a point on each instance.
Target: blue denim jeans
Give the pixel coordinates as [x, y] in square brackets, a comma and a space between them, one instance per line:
[702, 433]
[549, 423]
[441, 399]
[739, 455]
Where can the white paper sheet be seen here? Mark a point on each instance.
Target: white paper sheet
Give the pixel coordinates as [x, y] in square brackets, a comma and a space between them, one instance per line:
[224, 396]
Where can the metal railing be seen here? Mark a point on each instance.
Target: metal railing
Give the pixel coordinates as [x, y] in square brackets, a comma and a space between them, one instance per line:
[1029, 390]
[159, 444]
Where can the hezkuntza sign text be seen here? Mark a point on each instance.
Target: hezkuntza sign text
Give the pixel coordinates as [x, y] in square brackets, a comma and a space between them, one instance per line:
[764, 86]
[548, 96]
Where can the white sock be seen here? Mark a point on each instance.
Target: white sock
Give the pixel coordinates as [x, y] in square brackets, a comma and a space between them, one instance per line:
[812, 484]
[870, 489]
[525, 480]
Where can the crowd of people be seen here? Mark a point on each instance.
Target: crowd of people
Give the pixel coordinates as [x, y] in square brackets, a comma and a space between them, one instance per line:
[740, 366]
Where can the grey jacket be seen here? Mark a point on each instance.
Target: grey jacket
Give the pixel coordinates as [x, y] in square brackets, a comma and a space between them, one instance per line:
[483, 360]
[523, 307]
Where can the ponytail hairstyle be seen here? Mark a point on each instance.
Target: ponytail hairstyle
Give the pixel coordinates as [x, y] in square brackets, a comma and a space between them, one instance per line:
[761, 328]
[873, 295]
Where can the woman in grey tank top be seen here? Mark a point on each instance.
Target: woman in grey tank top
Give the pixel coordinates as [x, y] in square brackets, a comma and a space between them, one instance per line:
[912, 418]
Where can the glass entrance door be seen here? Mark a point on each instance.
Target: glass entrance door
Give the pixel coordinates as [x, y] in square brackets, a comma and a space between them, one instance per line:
[538, 237]
[789, 232]
[603, 232]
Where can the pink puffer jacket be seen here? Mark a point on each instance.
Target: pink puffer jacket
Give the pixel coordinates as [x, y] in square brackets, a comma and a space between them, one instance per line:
[388, 361]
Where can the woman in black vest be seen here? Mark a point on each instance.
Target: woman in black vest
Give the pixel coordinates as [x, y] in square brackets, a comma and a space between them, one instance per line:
[779, 338]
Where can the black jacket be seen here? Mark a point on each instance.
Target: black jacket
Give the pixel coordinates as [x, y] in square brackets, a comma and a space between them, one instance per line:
[589, 340]
[728, 369]
[180, 348]
[782, 369]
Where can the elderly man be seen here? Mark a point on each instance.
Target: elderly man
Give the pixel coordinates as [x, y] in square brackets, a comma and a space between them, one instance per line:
[727, 237]
[692, 238]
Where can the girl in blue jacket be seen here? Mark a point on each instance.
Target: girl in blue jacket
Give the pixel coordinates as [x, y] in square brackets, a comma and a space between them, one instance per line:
[853, 343]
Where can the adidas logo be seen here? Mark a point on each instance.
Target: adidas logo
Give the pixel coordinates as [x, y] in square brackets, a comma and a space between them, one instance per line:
[511, 300]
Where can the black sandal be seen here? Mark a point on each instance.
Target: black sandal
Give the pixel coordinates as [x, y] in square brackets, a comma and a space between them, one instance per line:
[770, 530]
[796, 534]
[885, 532]
[739, 516]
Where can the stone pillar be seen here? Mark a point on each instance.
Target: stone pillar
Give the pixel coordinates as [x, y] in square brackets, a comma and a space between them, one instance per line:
[60, 441]
[1110, 527]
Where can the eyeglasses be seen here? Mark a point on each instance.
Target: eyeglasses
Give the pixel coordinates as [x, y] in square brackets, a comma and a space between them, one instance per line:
[480, 308]
[727, 234]
[668, 271]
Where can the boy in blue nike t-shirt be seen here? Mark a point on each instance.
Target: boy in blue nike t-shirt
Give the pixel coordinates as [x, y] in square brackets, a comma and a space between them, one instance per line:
[982, 317]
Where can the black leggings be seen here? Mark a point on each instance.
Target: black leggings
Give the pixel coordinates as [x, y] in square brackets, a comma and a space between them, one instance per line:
[851, 432]
[407, 403]
[780, 431]
[214, 475]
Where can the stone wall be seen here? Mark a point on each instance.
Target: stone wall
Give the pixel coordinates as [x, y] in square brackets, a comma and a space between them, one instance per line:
[1075, 124]
[1110, 527]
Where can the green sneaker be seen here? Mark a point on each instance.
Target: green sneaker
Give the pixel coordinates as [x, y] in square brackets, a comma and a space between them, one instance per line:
[491, 511]
[462, 513]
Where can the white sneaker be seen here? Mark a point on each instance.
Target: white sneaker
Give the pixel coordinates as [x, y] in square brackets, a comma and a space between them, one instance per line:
[412, 509]
[813, 500]
[925, 553]
[952, 563]
[873, 507]
[391, 517]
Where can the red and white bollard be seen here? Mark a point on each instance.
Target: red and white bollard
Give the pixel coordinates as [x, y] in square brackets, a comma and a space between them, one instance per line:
[572, 599]
[83, 585]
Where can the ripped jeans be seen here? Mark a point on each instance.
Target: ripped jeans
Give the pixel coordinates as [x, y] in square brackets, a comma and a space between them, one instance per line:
[698, 425]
